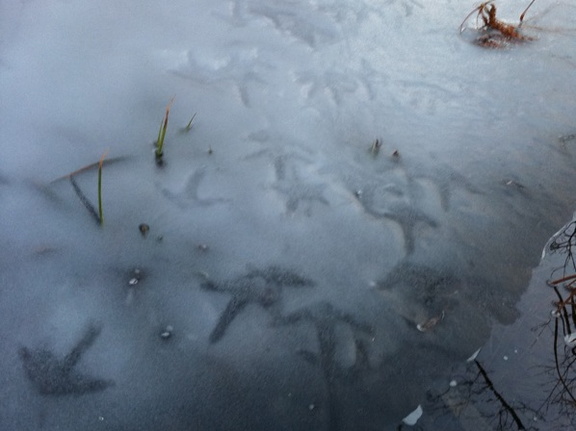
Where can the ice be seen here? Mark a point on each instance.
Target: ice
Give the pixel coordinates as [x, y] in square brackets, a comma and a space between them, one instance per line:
[413, 417]
[291, 277]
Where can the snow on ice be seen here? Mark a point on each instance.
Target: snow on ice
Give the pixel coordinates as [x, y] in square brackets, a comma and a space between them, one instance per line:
[290, 275]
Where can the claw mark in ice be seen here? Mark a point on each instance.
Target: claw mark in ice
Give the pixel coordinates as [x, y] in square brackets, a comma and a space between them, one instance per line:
[261, 287]
[237, 16]
[285, 165]
[296, 192]
[425, 96]
[563, 139]
[300, 20]
[283, 162]
[371, 78]
[189, 195]
[239, 69]
[429, 291]
[408, 218]
[294, 189]
[390, 195]
[447, 180]
[288, 182]
[339, 85]
[428, 283]
[53, 376]
[408, 5]
[358, 81]
[324, 316]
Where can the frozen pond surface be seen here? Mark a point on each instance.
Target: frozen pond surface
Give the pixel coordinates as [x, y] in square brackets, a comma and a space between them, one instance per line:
[291, 278]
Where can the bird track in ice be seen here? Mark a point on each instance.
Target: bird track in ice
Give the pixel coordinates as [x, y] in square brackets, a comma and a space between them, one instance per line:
[259, 286]
[54, 376]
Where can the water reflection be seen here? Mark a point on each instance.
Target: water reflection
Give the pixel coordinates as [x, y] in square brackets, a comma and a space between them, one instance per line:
[564, 321]
[525, 376]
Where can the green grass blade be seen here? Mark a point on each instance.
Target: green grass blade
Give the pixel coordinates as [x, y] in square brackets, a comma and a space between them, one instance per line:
[162, 132]
[189, 125]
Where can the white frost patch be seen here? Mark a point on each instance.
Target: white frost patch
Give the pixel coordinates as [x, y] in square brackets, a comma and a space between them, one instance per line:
[474, 355]
[570, 340]
[413, 417]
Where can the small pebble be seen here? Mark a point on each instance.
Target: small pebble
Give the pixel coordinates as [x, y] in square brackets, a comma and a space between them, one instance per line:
[375, 147]
[144, 228]
[167, 332]
[136, 277]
